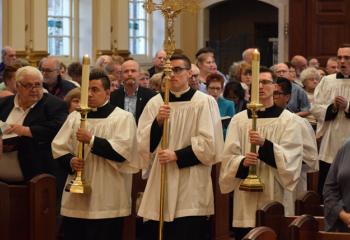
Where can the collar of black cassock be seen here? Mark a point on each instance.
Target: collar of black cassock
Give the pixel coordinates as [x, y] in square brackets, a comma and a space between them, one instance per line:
[186, 96]
[101, 112]
[271, 112]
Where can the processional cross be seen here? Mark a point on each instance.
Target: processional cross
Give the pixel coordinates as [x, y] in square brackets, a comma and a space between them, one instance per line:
[170, 9]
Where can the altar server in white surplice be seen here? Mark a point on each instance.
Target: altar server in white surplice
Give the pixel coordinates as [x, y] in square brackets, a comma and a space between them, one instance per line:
[195, 141]
[110, 143]
[281, 98]
[331, 109]
[278, 161]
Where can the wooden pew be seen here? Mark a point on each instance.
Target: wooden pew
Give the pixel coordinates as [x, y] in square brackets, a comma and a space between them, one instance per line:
[312, 181]
[4, 211]
[28, 211]
[309, 203]
[261, 233]
[272, 215]
[220, 224]
[306, 227]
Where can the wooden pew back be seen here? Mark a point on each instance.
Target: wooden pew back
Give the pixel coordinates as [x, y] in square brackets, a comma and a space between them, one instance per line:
[28, 211]
[306, 227]
[272, 215]
[261, 233]
[4, 211]
[309, 203]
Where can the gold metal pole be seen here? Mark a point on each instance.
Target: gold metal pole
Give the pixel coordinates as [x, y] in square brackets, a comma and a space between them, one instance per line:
[170, 9]
[252, 183]
[77, 185]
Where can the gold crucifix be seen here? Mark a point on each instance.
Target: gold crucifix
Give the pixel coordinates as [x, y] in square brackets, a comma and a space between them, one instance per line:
[170, 9]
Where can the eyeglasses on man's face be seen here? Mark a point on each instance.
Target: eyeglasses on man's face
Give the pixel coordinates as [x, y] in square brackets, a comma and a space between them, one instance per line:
[178, 70]
[30, 86]
[215, 88]
[47, 70]
[278, 93]
[265, 82]
[194, 76]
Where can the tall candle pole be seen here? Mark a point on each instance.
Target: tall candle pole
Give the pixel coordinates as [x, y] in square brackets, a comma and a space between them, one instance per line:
[170, 9]
[255, 77]
[85, 82]
[78, 185]
[253, 183]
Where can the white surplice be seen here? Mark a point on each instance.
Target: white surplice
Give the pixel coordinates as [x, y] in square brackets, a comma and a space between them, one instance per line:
[110, 181]
[189, 190]
[334, 132]
[285, 134]
[311, 164]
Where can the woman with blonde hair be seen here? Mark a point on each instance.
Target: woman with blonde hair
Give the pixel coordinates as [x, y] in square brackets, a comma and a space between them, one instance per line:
[207, 65]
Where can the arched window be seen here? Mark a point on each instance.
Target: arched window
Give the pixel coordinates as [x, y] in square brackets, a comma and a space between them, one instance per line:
[60, 22]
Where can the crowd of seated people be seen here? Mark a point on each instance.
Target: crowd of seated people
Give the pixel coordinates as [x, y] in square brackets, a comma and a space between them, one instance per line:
[35, 102]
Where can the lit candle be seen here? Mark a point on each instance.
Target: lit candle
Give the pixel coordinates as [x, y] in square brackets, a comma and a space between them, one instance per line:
[255, 77]
[85, 82]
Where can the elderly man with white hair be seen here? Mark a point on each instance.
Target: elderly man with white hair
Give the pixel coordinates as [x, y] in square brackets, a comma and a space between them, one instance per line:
[32, 119]
[53, 80]
[8, 56]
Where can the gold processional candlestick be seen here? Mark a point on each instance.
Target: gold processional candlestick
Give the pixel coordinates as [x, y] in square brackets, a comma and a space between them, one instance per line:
[170, 9]
[253, 183]
[78, 185]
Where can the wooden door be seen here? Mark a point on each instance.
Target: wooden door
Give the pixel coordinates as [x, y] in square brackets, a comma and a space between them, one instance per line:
[318, 27]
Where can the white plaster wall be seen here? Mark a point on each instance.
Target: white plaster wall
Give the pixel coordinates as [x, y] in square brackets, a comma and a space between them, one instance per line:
[103, 25]
[39, 25]
[16, 24]
[123, 24]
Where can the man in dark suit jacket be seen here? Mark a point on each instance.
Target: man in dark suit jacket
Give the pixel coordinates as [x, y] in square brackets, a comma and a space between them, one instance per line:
[53, 81]
[35, 117]
[131, 97]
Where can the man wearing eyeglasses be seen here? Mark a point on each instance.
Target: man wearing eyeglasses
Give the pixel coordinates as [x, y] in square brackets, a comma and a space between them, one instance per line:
[278, 160]
[194, 81]
[298, 102]
[53, 81]
[282, 92]
[33, 118]
[331, 109]
[195, 141]
[281, 97]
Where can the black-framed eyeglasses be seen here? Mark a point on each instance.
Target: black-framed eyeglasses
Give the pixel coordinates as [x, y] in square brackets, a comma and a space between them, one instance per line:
[215, 88]
[178, 70]
[278, 93]
[30, 86]
[265, 82]
[47, 70]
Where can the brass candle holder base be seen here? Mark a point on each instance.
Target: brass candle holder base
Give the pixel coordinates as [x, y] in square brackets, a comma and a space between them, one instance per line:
[252, 184]
[78, 186]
